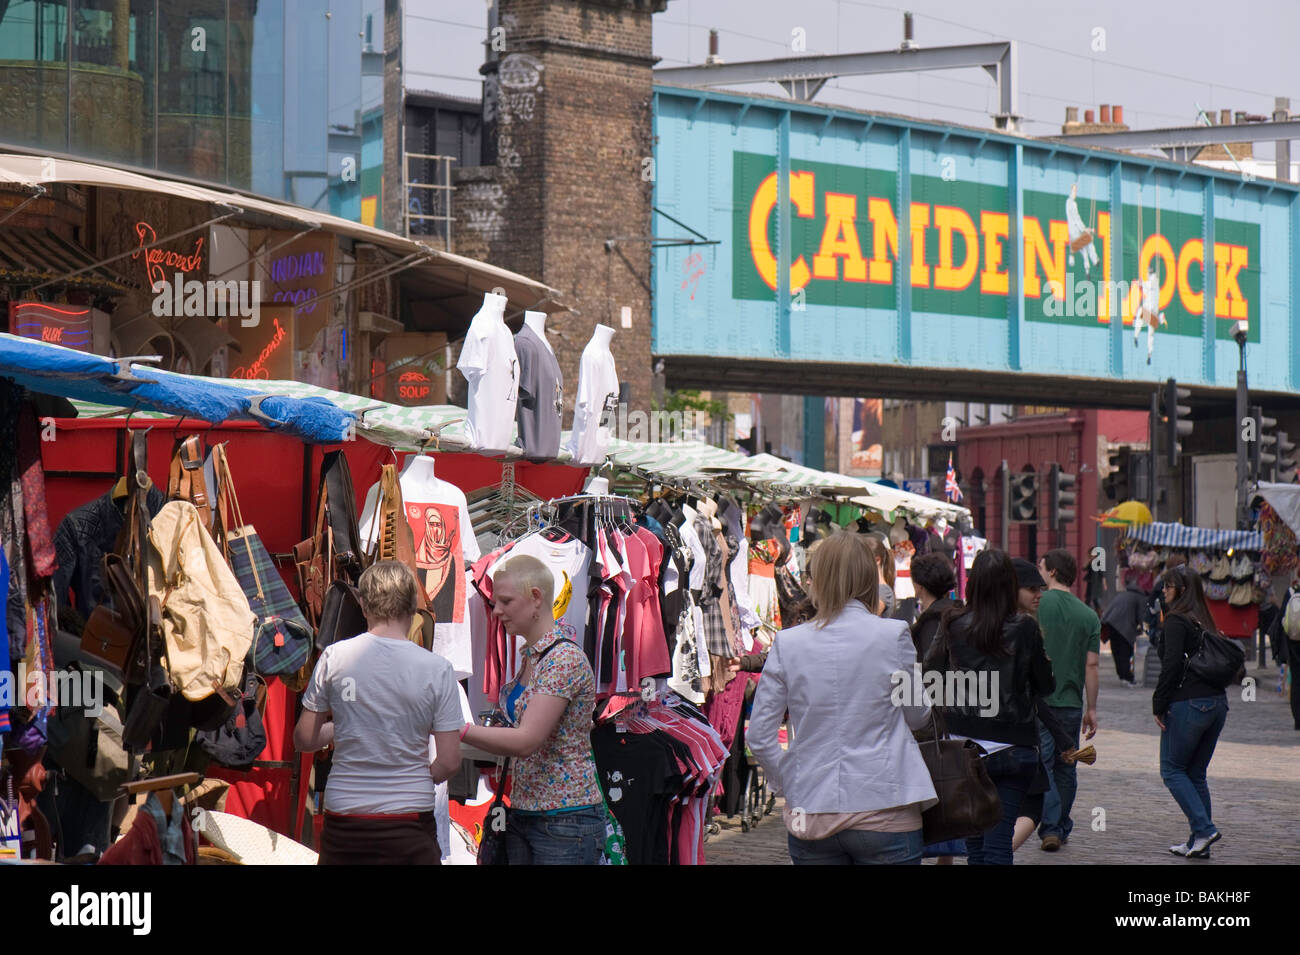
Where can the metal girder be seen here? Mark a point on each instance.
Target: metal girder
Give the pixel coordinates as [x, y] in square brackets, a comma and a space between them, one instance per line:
[803, 76]
[1188, 137]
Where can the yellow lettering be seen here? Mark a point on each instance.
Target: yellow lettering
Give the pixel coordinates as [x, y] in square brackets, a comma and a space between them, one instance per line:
[950, 219]
[1193, 252]
[760, 210]
[884, 240]
[1229, 260]
[1158, 246]
[1103, 239]
[920, 219]
[840, 240]
[996, 227]
[1052, 261]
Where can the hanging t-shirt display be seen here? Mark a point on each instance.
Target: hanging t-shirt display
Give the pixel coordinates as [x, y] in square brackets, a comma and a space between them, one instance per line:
[541, 396]
[445, 547]
[490, 365]
[596, 408]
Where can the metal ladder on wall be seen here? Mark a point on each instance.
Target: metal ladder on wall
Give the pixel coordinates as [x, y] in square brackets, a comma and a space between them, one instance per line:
[427, 202]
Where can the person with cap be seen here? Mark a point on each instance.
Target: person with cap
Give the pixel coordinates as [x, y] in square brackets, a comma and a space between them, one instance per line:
[1030, 586]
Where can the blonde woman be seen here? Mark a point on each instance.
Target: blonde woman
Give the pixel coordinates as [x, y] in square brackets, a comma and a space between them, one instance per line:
[556, 813]
[377, 698]
[853, 778]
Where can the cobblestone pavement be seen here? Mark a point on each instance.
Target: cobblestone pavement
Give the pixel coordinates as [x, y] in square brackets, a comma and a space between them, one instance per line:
[1255, 774]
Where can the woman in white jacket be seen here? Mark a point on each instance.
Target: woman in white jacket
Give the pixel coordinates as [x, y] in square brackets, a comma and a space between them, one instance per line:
[853, 778]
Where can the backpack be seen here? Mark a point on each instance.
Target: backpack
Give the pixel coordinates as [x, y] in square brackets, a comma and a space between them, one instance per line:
[240, 740]
[1291, 619]
[206, 621]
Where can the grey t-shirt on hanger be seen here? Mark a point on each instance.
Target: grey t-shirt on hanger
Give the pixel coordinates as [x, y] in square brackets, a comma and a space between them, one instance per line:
[541, 396]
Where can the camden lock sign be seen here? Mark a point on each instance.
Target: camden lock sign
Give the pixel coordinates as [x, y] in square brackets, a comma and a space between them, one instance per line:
[846, 231]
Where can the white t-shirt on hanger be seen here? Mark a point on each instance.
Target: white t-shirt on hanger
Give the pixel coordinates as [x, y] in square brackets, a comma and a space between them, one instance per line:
[569, 560]
[490, 365]
[596, 408]
[445, 547]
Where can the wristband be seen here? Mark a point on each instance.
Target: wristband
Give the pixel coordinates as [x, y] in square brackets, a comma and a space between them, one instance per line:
[464, 730]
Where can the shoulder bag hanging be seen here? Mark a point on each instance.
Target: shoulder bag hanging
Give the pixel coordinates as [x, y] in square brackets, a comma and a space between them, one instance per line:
[283, 639]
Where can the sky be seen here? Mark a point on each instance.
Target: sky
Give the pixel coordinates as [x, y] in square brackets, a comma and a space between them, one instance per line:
[1159, 59]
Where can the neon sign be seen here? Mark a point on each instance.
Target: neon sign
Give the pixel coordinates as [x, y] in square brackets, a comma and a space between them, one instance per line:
[69, 326]
[257, 369]
[158, 261]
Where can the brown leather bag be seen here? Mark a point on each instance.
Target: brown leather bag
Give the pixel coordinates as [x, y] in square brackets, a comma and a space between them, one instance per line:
[394, 540]
[185, 480]
[117, 635]
[969, 803]
[312, 559]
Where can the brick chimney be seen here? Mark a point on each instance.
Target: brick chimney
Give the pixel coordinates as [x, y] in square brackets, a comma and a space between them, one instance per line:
[1112, 120]
[1240, 151]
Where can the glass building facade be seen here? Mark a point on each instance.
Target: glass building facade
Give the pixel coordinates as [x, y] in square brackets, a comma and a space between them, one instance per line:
[279, 97]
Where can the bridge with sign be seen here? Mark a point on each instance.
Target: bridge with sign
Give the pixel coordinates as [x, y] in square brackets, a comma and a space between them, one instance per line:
[866, 253]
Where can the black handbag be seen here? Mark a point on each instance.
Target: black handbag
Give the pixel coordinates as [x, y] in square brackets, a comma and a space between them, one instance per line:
[1216, 661]
[341, 617]
[492, 848]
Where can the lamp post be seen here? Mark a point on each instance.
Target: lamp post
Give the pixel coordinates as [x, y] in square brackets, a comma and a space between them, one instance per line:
[1239, 331]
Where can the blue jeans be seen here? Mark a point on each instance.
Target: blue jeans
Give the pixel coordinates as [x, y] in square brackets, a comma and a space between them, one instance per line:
[1012, 770]
[567, 838]
[858, 847]
[1192, 729]
[1059, 800]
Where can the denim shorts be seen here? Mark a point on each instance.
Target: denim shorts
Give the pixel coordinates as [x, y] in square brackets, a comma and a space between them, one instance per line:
[566, 838]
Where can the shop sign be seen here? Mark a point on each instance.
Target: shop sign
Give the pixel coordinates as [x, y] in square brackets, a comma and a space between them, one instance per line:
[300, 274]
[847, 229]
[71, 326]
[158, 262]
[266, 350]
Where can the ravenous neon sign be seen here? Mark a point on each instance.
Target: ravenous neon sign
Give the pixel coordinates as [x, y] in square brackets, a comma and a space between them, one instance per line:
[158, 261]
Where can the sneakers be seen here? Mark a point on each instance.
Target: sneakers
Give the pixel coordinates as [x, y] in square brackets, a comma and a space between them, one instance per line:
[1180, 850]
[1050, 843]
[1200, 848]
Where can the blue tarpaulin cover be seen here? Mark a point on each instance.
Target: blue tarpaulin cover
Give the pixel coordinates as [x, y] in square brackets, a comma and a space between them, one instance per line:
[56, 370]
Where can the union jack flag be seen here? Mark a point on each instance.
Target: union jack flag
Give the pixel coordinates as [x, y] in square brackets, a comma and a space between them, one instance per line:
[950, 489]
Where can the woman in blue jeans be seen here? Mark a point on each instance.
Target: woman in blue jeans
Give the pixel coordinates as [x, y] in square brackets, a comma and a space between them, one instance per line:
[1002, 650]
[1189, 712]
[556, 814]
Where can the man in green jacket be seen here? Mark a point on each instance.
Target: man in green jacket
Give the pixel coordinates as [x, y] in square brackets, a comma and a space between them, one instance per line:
[1072, 638]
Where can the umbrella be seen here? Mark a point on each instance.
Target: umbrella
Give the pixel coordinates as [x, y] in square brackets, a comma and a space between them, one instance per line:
[1128, 514]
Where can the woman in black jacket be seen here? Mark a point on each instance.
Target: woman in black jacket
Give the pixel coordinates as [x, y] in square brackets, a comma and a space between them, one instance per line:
[1003, 650]
[1190, 713]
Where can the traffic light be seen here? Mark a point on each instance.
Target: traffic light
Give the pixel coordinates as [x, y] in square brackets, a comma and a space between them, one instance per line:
[1263, 450]
[1022, 502]
[1060, 497]
[1116, 484]
[1286, 459]
[1177, 423]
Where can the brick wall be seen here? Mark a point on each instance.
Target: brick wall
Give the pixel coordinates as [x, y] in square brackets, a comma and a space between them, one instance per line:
[570, 96]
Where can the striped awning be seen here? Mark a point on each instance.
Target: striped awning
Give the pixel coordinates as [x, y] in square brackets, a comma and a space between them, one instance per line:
[33, 256]
[1197, 538]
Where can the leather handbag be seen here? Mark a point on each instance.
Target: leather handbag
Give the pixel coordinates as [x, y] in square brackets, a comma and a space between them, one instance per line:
[1217, 660]
[969, 803]
[341, 618]
[107, 638]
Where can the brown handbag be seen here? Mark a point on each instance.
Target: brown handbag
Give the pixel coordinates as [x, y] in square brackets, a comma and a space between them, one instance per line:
[117, 635]
[312, 558]
[969, 803]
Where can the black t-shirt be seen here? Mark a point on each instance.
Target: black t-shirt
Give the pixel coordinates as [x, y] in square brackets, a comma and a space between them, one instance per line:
[640, 777]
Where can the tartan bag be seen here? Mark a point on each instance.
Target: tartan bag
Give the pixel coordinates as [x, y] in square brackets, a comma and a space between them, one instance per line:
[283, 639]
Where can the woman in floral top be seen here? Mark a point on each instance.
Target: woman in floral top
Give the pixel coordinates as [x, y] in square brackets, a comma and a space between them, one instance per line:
[556, 815]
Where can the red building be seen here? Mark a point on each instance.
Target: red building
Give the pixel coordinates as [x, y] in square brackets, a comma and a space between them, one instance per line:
[1078, 440]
